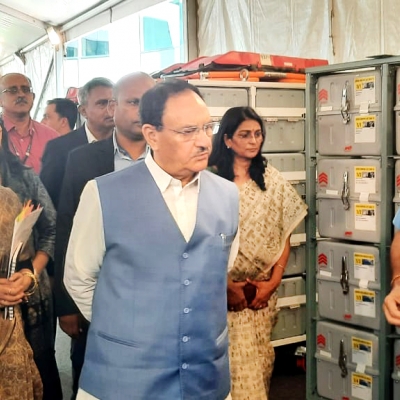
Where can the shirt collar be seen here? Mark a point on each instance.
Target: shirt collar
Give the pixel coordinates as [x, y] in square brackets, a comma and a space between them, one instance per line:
[10, 126]
[163, 179]
[90, 137]
[123, 153]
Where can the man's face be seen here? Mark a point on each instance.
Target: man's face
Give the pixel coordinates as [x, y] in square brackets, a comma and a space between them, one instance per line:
[126, 108]
[52, 119]
[16, 97]
[180, 155]
[95, 111]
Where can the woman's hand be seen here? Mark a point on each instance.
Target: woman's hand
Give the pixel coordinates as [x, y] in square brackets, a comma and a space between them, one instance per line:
[236, 299]
[12, 290]
[265, 289]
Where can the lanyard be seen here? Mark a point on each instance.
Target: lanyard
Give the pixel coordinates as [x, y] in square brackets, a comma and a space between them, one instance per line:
[28, 150]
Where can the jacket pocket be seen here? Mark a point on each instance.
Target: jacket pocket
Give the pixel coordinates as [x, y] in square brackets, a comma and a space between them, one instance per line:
[114, 339]
[226, 239]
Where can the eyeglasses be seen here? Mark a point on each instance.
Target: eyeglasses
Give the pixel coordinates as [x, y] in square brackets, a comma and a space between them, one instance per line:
[191, 132]
[15, 90]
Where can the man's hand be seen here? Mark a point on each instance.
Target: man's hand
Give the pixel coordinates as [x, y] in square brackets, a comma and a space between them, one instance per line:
[391, 305]
[236, 299]
[265, 289]
[71, 325]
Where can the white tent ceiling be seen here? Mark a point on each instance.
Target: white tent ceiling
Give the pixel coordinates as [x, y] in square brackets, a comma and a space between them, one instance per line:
[23, 22]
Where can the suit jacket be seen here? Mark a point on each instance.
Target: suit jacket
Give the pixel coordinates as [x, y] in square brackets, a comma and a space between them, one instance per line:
[55, 158]
[84, 164]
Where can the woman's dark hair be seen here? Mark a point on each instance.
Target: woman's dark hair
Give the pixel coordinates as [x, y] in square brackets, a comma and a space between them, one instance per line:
[222, 158]
[8, 161]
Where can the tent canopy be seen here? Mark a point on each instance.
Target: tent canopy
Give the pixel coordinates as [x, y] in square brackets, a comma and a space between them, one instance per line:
[23, 23]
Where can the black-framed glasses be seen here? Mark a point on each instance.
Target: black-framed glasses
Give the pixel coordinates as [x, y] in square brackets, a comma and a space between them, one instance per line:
[190, 132]
[15, 90]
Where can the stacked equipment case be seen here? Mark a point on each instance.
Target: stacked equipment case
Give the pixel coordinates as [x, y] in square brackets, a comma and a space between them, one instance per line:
[349, 167]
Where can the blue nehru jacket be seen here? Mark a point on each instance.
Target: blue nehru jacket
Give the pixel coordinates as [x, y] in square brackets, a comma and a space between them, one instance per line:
[159, 329]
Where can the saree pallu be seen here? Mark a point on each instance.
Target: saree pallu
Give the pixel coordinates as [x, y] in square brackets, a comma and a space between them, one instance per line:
[19, 376]
[267, 218]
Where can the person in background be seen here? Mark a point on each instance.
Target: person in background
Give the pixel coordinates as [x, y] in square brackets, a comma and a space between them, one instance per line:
[93, 100]
[153, 241]
[27, 138]
[37, 314]
[124, 148]
[61, 115]
[391, 305]
[270, 209]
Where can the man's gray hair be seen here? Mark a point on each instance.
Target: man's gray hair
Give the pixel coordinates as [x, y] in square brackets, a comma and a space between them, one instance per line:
[85, 90]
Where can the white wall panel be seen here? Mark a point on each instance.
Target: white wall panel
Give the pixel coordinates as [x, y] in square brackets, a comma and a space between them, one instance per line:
[300, 27]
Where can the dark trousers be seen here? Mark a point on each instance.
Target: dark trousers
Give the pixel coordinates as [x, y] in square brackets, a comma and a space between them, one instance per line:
[78, 347]
[48, 370]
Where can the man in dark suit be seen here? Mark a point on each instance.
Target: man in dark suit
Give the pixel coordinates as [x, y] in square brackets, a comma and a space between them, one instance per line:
[61, 115]
[124, 148]
[93, 101]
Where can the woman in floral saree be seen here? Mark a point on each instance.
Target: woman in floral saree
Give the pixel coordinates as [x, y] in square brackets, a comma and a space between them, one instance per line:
[270, 209]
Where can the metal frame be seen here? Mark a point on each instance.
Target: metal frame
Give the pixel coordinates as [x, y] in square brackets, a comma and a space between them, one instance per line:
[387, 67]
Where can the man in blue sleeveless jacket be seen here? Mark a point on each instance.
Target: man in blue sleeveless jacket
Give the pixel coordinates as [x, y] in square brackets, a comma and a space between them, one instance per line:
[147, 262]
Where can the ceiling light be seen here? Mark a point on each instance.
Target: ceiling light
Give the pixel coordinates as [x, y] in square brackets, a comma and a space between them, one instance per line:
[54, 36]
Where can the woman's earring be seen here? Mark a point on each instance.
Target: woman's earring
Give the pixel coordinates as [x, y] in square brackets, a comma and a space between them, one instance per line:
[227, 147]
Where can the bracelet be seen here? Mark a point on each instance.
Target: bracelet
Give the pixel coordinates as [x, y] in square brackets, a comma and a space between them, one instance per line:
[394, 279]
[31, 289]
[280, 266]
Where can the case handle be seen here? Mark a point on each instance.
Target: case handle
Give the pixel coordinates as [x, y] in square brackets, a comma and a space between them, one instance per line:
[345, 191]
[343, 360]
[344, 110]
[344, 276]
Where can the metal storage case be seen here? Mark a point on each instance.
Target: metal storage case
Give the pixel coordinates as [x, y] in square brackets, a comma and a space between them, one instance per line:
[348, 92]
[279, 102]
[359, 262]
[350, 114]
[347, 362]
[292, 287]
[291, 165]
[359, 137]
[296, 264]
[349, 198]
[396, 386]
[282, 135]
[283, 113]
[397, 111]
[397, 180]
[220, 99]
[291, 316]
[348, 276]
[291, 322]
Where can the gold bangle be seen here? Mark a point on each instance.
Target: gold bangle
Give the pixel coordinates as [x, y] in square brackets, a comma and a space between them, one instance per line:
[31, 289]
[394, 279]
[280, 266]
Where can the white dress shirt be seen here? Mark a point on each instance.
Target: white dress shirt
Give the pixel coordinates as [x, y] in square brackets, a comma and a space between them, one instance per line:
[86, 246]
[89, 135]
